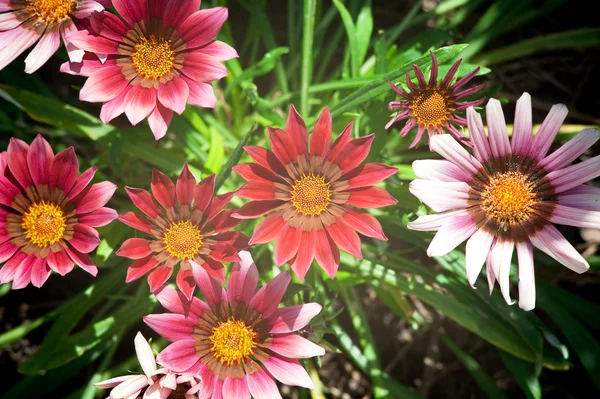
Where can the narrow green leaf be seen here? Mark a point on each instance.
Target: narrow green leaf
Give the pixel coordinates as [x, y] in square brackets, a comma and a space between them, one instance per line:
[56, 113]
[485, 382]
[307, 56]
[525, 374]
[576, 38]
[233, 160]
[214, 161]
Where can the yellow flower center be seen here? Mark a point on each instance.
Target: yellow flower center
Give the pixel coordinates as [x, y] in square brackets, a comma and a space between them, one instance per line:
[232, 341]
[183, 240]
[509, 198]
[153, 57]
[311, 195]
[430, 107]
[51, 11]
[44, 224]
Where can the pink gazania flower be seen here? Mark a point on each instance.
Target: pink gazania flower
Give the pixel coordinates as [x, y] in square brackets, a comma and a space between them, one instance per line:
[154, 383]
[312, 192]
[48, 213]
[508, 195]
[238, 342]
[433, 107]
[23, 22]
[187, 225]
[158, 57]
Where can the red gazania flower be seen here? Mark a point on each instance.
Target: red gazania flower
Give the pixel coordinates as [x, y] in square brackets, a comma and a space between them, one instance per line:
[433, 106]
[240, 341]
[189, 228]
[158, 57]
[311, 193]
[48, 213]
[23, 22]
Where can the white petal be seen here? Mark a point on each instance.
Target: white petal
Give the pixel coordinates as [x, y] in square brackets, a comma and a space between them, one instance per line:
[441, 196]
[476, 252]
[552, 242]
[526, 276]
[451, 234]
[497, 129]
[145, 355]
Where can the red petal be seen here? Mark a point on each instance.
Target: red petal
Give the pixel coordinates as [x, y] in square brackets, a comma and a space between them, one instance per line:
[296, 129]
[345, 238]
[83, 260]
[265, 158]
[267, 229]
[287, 243]
[213, 292]
[282, 145]
[327, 253]
[82, 182]
[163, 189]
[370, 197]
[341, 141]
[159, 277]
[135, 248]
[255, 209]
[320, 140]
[143, 200]
[132, 219]
[354, 153]
[218, 203]
[185, 186]
[364, 224]
[16, 157]
[94, 197]
[369, 174]
[185, 283]
[60, 262]
[100, 217]
[223, 221]
[256, 191]
[306, 253]
[140, 267]
[85, 239]
[267, 299]
[255, 172]
[64, 169]
[39, 158]
[203, 193]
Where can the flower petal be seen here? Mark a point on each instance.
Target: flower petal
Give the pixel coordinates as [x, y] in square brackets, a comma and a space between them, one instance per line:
[476, 252]
[268, 297]
[522, 131]
[145, 355]
[553, 243]
[262, 386]
[243, 279]
[526, 276]
[547, 132]
[179, 356]
[292, 318]
[288, 371]
[440, 195]
[448, 147]
[451, 234]
[172, 327]
[268, 229]
[571, 150]
[439, 169]
[320, 141]
[135, 248]
[158, 277]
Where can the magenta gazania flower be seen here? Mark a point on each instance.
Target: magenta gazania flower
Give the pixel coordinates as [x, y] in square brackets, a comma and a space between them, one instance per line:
[159, 56]
[431, 106]
[187, 225]
[312, 192]
[23, 22]
[508, 195]
[154, 383]
[240, 341]
[48, 213]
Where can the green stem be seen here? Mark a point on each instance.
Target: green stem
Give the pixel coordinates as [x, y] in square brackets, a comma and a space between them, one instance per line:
[307, 45]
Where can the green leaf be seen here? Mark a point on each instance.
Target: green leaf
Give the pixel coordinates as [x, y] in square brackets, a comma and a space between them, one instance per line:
[359, 34]
[485, 382]
[585, 345]
[56, 113]
[214, 161]
[69, 317]
[576, 38]
[525, 374]
[308, 30]
[233, 160]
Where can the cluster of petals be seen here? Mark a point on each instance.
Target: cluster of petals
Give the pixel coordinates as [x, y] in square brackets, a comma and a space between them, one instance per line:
[187, 226]
[159, 56]
[24, 22]
[239, 341]
[311, 192]
[48, 214]
[509, 194]
[431, 106]
[155, 383]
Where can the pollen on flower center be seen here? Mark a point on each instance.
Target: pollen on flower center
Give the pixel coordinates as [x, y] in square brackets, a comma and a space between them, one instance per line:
[232, 341]
[51, 11]
[509, 198]
[153, 57]
[311, 195]
[44, 224]
[183, 240]
[430, 107]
